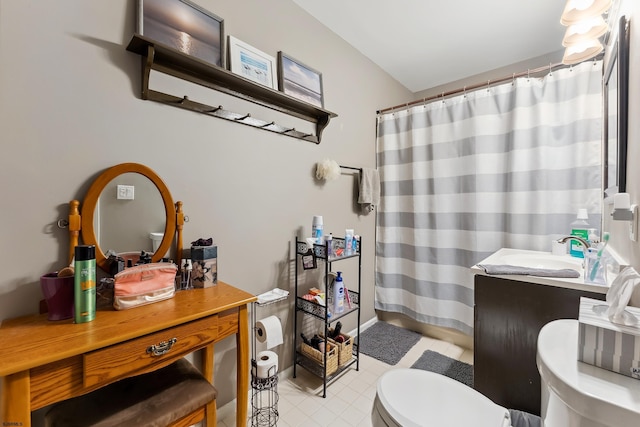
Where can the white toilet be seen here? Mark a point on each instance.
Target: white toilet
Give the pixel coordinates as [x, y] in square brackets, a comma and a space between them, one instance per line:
[576, 394]
[414, 397]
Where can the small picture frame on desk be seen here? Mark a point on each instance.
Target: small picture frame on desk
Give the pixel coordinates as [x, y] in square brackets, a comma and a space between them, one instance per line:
[183, 26]
[299, 80]
[251, 63]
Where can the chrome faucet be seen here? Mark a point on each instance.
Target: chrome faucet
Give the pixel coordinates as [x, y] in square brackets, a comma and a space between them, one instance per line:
[585, 244]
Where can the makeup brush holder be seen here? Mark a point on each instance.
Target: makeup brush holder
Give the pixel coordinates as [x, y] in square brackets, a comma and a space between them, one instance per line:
[58, 293]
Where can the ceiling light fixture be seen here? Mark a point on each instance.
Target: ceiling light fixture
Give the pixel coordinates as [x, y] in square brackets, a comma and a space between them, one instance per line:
[585, 27]
[581, 52]
[592, 28]
[579, 10]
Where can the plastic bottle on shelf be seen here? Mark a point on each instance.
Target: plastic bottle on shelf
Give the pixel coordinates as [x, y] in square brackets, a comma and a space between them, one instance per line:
[328, 240]
[580, 228]
[317, 229]
[338, 294]
[348, 241]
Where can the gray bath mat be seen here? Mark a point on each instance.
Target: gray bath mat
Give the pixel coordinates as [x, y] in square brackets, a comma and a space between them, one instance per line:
[386, 342]
[441, 364]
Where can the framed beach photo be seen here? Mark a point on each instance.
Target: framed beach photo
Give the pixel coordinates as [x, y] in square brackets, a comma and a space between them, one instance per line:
[299, 80]
[184, 26]
[251, 63]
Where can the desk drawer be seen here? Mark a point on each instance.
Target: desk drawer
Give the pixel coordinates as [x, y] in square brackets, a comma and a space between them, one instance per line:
[131, 357]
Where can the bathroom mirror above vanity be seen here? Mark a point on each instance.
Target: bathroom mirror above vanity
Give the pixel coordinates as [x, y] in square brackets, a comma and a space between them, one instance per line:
[123, 207]
[615, 97]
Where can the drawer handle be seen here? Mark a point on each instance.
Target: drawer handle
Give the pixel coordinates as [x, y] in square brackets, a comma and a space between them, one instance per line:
[161, 348]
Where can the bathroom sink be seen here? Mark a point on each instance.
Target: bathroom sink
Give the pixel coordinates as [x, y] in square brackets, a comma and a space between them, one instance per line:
[541, 260]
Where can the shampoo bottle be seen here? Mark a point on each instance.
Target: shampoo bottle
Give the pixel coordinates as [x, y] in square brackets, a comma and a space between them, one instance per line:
[580, 228]
[338, 294]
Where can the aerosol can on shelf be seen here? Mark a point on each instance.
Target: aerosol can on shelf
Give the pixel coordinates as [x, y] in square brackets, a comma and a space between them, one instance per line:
[338, 294]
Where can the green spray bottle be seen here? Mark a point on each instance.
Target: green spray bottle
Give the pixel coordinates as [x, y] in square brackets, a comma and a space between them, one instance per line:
[84, 291]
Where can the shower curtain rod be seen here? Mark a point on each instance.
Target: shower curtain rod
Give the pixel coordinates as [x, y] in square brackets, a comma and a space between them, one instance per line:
[443, 95]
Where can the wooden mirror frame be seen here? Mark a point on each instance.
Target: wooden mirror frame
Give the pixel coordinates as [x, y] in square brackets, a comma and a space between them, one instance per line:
[93, 194]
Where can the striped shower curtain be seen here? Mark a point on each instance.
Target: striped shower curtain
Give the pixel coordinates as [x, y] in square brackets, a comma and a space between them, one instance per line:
[503, 166]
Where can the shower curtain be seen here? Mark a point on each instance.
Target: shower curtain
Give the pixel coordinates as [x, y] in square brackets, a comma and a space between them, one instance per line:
[502, 166]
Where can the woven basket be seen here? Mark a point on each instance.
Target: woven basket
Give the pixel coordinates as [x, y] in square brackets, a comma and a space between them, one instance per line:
[345, 349]
[318, 357]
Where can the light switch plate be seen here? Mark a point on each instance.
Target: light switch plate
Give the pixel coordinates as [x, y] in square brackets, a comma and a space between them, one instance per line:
[633, 224]
[125, 192]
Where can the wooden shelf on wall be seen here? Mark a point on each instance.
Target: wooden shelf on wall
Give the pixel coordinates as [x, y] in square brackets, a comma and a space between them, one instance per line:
[164, 59]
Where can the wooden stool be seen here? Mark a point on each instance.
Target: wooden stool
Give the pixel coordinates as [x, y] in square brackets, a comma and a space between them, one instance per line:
[177, 395]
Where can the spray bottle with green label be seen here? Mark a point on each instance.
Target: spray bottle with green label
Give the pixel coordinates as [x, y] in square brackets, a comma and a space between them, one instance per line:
[84, 292]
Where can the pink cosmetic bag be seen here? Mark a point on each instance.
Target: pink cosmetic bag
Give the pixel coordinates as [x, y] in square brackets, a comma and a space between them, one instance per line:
[144, 284]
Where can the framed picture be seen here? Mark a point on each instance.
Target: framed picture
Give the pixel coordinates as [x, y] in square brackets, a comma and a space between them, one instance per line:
[251, 63]
[309, 261]
[184, 26]
[299, 80]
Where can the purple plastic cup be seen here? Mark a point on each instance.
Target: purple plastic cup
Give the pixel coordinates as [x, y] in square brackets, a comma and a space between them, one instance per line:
[58, 292]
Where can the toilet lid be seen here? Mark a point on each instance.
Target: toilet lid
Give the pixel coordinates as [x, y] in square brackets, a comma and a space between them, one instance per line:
[595, 393]
[413, 397]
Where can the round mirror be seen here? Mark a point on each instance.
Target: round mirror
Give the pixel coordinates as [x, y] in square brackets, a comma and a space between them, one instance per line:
[124, 207]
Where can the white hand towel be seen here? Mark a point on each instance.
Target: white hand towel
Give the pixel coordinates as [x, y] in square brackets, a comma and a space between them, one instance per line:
[369, 188]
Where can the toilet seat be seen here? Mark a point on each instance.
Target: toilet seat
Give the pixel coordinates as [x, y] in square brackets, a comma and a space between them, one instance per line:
[414, 397]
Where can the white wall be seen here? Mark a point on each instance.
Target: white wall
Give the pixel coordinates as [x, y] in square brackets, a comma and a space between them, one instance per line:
[629, 250]
[70, 108]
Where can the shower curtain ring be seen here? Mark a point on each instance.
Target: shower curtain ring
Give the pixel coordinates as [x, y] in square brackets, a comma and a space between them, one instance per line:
[488, 86]
[513, 80]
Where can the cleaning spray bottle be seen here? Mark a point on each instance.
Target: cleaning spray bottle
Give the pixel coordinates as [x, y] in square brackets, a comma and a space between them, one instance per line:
[338, 294]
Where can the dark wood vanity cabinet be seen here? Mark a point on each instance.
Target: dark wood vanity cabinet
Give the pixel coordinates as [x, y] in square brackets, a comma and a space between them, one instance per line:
[508, 317]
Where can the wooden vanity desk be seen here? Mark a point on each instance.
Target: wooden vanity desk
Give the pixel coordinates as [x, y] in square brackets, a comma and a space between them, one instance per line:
[43, 362]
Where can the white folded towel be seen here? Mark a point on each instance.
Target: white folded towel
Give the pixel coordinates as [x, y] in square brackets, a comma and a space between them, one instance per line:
[369, 195]
[528, 271]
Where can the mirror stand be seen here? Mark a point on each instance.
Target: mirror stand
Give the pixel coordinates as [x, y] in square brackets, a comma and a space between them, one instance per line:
[74, 228]
[74, 221]
[88, 222]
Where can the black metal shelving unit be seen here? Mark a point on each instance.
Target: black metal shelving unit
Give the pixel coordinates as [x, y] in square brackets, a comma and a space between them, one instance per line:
[324, 254]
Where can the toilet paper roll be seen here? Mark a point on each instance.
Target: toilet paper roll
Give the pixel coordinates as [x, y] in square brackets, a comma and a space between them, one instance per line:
[269, 330]
[266, 364]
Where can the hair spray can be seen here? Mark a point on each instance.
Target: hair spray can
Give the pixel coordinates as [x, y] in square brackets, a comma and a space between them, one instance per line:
[84, 293]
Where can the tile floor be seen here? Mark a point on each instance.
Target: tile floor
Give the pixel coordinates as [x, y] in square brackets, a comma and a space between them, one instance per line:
[350, 396]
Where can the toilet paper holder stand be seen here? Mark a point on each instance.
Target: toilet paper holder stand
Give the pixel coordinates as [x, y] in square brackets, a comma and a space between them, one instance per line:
[264, 395]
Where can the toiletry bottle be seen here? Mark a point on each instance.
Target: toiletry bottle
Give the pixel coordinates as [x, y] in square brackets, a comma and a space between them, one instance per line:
[348, 241]
[84, 291]
[580, 228]
[189, 270]
[328, 241]
[317, 228]
[338, 294]
[594, 239]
